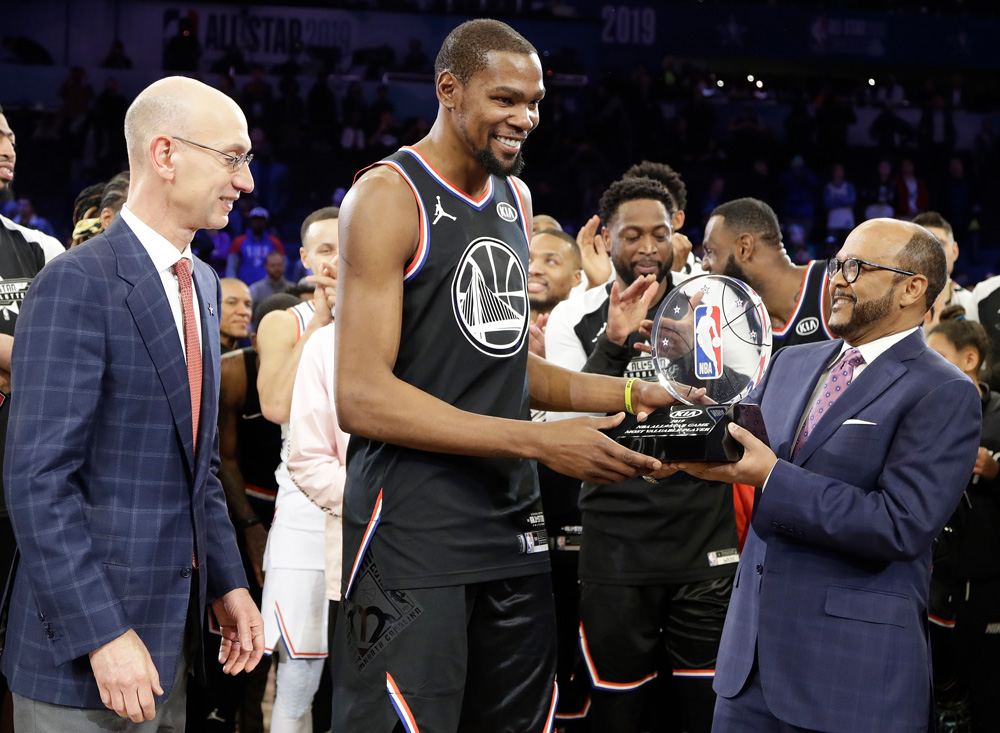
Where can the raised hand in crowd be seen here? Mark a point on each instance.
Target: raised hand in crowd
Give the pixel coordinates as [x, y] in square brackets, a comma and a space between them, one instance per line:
[594, 252]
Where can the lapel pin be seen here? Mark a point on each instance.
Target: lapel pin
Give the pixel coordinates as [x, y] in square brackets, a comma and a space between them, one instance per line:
[211, 309]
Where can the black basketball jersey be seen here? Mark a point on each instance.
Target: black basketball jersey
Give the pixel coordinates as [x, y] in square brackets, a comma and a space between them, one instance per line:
[258, 445]
[431, 519]
[808, 321]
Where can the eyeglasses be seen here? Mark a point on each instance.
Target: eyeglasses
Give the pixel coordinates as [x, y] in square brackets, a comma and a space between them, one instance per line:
[236, 161]
[852, 268]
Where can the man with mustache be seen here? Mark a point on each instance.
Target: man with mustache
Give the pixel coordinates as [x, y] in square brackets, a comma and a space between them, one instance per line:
[743, 240]
[872, 440]
[446, 612]
[656, 562]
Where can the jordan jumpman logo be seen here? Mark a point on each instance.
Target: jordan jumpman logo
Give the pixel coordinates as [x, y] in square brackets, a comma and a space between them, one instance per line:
[439, 212]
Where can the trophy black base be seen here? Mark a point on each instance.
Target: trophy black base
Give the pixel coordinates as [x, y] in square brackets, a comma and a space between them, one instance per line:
[694, 432]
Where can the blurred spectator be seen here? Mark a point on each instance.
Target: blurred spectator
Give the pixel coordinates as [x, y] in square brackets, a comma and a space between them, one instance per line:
[183, 51]
[965, 584]
[288, 117]
[834, 115]
[416, 60]
[275, 281]
[230, 63]
[257, 97]
[911, 192]
[889, 131]
[108, 128]
[879, 194]
[113, 197]
[116, 58]
[800, 187]
[891, 92]
[955, 197]
[235, 310]
[271, 182]
[87, 214]
[76, 94]
[24, 50]
[248, 253]
[936, 130]
[839, 197]
[28, 217]
[321, 113]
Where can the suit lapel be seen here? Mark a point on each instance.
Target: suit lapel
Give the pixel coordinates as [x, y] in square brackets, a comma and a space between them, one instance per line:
[147, 302]
[205, 287]
[874, 380]
[807, 374]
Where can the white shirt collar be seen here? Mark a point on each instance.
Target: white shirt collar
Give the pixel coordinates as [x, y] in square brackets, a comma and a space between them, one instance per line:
[874, 349]
[163, 254]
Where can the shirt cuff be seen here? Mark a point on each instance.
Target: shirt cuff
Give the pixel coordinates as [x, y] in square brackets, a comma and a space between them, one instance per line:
[769, 475]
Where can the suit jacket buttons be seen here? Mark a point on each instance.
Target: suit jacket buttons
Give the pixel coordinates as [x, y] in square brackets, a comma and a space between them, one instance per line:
[760, 569]
[185, 572]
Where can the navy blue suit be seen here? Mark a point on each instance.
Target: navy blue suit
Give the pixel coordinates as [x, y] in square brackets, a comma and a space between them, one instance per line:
[107, 494]
[832, 584]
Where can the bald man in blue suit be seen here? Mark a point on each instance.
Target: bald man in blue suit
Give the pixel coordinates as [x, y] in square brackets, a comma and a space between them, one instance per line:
[827, 627]
[113, 446]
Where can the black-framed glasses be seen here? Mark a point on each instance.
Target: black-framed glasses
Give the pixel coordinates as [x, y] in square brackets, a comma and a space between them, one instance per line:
[852, 268]
[236, 161]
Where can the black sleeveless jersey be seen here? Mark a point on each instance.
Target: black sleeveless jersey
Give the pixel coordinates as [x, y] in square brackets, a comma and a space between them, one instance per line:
[258, 445]
[809, 319]
[430, 519]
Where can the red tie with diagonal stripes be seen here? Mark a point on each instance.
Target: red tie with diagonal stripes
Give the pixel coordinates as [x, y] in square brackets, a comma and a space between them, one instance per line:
[191, 342]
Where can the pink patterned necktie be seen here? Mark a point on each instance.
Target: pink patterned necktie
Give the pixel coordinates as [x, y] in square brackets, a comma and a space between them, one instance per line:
[835, 385]
[191, 344]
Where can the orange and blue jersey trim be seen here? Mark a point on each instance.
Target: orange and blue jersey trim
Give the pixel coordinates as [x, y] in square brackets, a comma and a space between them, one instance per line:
[416, 263]
[550, 719]
[695, 673]
[287, 639]
[938, 621]
[787, 328]
[525, 224]
[579, 715]
[478, 204]
[402, 709]
[365, 541]
[595, 679]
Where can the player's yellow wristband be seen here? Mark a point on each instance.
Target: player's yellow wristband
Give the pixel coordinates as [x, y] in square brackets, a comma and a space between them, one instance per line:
[628, 395]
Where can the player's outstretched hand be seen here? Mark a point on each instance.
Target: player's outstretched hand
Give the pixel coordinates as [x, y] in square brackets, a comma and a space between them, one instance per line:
[649, 396]
[752, 469]
[576, 448]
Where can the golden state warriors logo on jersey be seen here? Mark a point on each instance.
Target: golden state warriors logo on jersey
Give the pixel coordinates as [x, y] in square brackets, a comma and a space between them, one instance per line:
[490, 297]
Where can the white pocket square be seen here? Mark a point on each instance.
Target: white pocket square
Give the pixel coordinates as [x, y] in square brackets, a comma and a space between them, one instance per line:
[858, 422]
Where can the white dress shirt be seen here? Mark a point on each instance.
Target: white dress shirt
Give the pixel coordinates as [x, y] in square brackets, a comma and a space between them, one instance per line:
[164, 256]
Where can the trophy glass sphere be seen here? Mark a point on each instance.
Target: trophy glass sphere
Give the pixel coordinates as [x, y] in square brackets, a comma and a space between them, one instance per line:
[711, 332]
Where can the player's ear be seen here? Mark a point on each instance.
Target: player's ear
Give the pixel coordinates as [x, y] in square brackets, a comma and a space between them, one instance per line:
[677, 220]
[447, 88]
[744, 247]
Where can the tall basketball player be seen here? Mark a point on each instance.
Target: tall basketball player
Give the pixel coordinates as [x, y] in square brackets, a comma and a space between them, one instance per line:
[447, 619]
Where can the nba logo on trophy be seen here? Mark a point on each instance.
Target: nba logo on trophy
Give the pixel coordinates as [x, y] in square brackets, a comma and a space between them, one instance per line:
[708, 341]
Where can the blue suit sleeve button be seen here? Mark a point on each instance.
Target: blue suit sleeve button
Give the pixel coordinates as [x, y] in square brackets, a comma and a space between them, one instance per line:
[760, 569]
[185, 572]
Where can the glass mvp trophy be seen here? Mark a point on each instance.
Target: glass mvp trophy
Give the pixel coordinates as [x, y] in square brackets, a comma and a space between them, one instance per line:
[710, 332]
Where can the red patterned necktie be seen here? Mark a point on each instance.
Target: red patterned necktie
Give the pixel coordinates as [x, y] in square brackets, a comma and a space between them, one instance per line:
[191, 342]
[835, 385]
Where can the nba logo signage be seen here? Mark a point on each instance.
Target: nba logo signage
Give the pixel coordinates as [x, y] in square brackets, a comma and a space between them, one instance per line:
[708, 342]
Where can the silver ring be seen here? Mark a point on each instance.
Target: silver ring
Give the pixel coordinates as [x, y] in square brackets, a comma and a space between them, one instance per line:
[650, 479]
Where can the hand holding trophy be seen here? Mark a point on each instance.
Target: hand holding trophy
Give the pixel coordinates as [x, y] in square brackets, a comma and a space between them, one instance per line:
[711, 332]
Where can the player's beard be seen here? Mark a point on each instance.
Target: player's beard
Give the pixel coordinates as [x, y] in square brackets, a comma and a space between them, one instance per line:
[495, 167]
[627, 273]
[733, 270]
[864, 314]
[6, 193]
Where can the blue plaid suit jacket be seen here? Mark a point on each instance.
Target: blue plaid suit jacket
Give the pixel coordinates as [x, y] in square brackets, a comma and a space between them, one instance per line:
[832, 584]
[106, 492]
